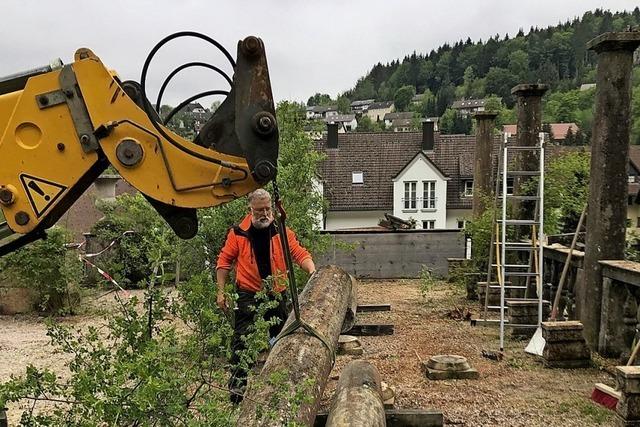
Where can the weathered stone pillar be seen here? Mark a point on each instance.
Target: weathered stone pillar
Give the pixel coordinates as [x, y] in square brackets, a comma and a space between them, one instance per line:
[565, 346]
[628, 408]
[482, 163]
[529, 102]
[607, 214]
[611, 341]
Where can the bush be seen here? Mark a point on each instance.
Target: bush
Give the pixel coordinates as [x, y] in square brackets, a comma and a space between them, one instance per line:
[49, 268]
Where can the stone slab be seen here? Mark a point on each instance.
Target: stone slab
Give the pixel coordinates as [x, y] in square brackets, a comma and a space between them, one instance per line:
[627, 40]
[567, 364]
[448, 362]
[469, 374]
[362, 330]
[529, 89]
[628, 379]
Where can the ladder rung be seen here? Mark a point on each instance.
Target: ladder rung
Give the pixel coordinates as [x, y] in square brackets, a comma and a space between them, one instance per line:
[520, 222]
[511, 265]
[520, 248]
[514, 197]
[520, 274]
[507, 287]
[506, 323]
[522, 147]
[523, 173]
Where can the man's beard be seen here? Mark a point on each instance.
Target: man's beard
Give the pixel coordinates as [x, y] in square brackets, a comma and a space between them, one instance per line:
[262, 223]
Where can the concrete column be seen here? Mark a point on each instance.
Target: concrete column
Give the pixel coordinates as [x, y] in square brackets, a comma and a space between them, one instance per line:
[482, 163]
[612, 337]
[529, 101]
[607, 214]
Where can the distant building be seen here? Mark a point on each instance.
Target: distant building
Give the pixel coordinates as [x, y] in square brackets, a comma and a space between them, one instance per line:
[361, 106]
[346, 122]
[390, 117]
[377, 110]
[417, 99]
[468, 106]
[318, 112]
[401, 125]
[559, 131]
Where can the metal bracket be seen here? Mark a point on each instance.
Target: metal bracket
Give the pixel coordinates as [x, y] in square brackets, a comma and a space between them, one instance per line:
[78, 109]
[51, 99]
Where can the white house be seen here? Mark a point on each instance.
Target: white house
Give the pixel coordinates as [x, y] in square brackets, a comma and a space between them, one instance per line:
[412, 175]
[318, 112]
[420, 192]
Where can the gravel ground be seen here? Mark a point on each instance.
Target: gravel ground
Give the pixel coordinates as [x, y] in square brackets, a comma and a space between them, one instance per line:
[516, 391]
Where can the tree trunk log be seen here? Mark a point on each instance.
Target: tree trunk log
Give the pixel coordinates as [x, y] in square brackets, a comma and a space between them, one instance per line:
[290, 386]
[358, 398]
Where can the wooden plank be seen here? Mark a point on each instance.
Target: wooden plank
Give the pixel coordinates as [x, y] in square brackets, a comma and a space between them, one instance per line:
[364, 330]
[367, 308]
[401, 418]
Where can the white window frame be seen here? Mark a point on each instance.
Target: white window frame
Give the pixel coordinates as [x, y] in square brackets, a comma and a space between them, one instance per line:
[468, 188]
[429, 195]
[357, 177]
[463, 222]
[410, 200]
[631, 179]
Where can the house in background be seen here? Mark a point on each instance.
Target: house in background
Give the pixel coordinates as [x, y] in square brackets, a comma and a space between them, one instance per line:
[390, 117]
[345, 122]
[319, 112]
[377, 110]
[559, 131]
[468, 106]
[401, 125]
[361, 106]
[412, 175]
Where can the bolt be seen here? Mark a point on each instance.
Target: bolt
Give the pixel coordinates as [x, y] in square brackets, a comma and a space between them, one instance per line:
[128, 153]
[43, 100]
[251, 46]
[60, 146]
[68, 93]
[22, 218]
[85, 139]
[6, 196]
[264, 171]
[264, 123]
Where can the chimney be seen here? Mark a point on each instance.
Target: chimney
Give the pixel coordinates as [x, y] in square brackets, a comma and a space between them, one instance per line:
[427, 135]
[332, 135]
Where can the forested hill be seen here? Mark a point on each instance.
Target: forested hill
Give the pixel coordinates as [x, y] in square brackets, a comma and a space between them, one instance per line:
[555, 55]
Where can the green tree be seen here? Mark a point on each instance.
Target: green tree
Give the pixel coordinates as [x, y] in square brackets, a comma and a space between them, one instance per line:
[402, 97]
[319, 99]
[344, 105]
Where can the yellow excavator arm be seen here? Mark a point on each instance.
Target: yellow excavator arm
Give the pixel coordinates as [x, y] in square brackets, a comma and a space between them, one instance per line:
[61, 127]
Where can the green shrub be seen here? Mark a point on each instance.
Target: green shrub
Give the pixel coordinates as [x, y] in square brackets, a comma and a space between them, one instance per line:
[48, 267]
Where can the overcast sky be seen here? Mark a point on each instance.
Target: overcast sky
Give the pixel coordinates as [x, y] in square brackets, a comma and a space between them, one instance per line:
[320, 46]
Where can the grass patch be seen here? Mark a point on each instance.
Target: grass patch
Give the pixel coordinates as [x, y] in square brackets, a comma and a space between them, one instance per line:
[585, 408]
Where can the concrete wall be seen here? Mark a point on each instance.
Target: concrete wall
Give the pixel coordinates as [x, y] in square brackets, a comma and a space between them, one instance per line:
[393, 255]
[339, 220]
[419, 170]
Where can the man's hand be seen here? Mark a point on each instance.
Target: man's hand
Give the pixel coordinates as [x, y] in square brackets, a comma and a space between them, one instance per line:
[222, 301]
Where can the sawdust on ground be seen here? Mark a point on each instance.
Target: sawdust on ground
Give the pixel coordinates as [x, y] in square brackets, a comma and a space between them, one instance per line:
[516, 391]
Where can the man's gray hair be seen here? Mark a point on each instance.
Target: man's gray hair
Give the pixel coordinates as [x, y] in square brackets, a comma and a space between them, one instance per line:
[259, 194]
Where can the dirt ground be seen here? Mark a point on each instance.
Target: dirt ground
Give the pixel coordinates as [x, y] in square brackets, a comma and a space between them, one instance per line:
[516, 391]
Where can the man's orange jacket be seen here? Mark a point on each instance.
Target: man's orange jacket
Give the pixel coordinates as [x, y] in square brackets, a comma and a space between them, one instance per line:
[237, 249]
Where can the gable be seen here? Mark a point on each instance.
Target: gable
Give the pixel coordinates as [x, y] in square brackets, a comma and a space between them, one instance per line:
[420, 165]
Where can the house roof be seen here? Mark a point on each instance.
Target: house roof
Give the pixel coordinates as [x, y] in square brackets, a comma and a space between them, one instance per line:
[634, 156]
[340, 118]
[559, 130]
[362, 102]
[381, 156]
[427, 159]
[380, 105]
[398, 123]
[322, 108]
[393, 116]
[468, 103]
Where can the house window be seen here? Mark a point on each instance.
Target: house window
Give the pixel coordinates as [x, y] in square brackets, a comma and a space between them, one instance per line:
[628, 222]
[410, 195]
[357, 177]
[429, 225]
[461, 224]
[468, 188]
[638, 223]
[510, 184]
[429, 195]
[632, 178]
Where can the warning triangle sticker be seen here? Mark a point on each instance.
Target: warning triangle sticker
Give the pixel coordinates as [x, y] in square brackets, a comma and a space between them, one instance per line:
[42, 193]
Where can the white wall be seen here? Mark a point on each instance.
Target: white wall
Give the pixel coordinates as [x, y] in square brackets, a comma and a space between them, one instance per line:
[453, 215]
[353, 219]
[633, 212]
[420, 170]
